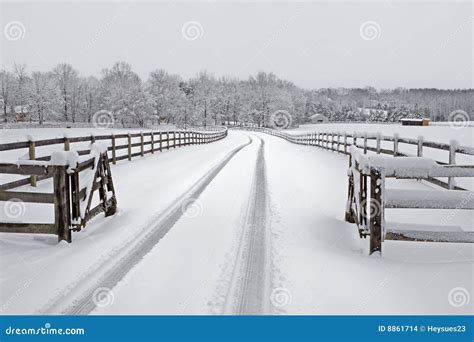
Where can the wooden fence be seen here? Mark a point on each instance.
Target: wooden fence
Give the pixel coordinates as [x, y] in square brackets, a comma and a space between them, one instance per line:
[341, 143]
[368, 197]
[72, 202]
[148, 142]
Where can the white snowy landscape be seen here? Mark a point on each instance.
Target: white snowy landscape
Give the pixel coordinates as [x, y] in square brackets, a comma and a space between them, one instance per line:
[172, 249]
[236, 158]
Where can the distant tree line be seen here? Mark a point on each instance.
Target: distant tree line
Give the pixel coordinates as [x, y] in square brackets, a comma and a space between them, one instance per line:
[62, 95]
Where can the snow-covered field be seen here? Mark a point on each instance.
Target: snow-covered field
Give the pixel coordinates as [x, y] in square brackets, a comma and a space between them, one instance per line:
[248, 224]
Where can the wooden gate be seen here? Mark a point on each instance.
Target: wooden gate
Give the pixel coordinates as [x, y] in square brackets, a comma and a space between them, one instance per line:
[72, 202]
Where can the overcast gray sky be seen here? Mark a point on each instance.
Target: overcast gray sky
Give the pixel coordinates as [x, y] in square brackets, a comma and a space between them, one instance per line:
[314, 44]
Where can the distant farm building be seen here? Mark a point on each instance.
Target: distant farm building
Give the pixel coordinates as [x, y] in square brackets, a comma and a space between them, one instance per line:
[415, 122]
[318, 118]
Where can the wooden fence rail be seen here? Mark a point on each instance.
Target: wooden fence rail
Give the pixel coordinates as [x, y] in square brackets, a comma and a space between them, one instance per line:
[341, 142]
[155, 141]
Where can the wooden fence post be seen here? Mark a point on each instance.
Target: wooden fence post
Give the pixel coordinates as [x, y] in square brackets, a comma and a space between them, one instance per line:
[395, 144]
[161, 142]
[92, 138]
[378, 143]
[61, 203]
[376, 211]
[167, 140]
[452, 161]
[345, 143]
[419, 150]
[152, 142]
[67, 145]
[32, 156]
[129, 147]
[114, 155]
[365, 143]
[141, 144]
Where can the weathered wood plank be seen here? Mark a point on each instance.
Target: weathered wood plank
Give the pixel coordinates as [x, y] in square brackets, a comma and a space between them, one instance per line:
[31, 197]
[28, 228]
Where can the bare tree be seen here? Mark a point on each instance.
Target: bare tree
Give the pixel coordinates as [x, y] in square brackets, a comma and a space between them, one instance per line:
[66, 79]
[6, 85]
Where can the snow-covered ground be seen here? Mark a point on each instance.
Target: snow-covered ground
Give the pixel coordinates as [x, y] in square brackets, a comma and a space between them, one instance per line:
[248, 224]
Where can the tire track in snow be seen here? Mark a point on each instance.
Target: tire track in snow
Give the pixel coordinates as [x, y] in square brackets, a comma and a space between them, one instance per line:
[84, 303]
[248, 292]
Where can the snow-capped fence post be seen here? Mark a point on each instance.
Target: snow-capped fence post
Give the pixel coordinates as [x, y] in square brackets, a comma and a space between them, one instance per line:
[365, 143]
[376, 211]
[419, 150]
[114, 156]
[174, 139]
[129, 146]
[61, 202]
[66, 144]
[152, 142]
[354, 139]
[32, 156]
[141, 145]
[395, 145]
[345, 143]
[338, 145]
[378, 143]
[161, 142]
[452, 160]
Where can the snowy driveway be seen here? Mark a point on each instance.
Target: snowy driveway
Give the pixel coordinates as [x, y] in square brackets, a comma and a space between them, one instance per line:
[248, 225]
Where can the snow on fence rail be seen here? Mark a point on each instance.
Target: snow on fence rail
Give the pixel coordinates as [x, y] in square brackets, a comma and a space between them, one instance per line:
[368, 196]
[341, 142]
[72, 202]
[134, 145]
